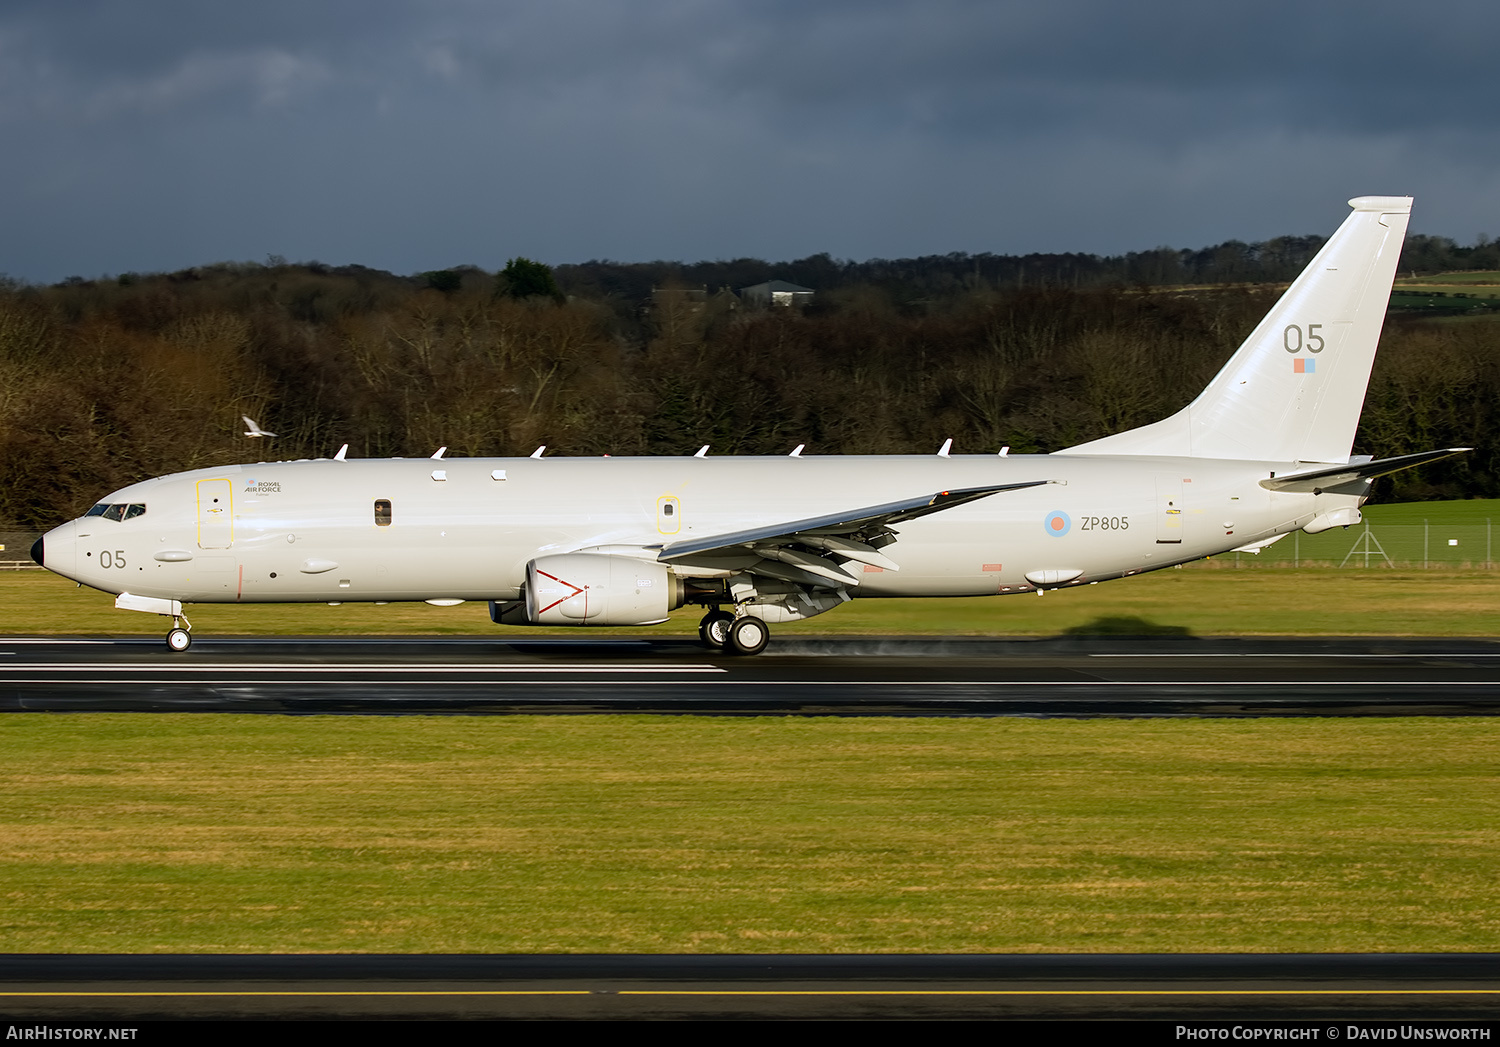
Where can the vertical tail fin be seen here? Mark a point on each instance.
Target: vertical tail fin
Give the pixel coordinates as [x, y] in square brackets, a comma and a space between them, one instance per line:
[1293, 391]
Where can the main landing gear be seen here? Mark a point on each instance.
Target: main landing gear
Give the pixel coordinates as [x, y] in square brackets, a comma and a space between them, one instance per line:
[713, 630]
[721, 630]
[748, 635]
[180, 638]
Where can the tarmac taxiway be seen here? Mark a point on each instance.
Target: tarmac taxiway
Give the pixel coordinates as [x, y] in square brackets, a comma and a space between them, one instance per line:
[1446, 988]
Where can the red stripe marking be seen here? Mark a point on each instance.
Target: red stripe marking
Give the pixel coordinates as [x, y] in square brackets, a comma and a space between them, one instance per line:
[570, 585]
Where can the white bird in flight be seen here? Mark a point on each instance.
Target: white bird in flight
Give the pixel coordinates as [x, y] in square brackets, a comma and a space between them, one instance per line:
[255, 430]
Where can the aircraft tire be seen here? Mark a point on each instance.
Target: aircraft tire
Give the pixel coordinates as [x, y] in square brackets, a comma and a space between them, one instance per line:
[179, 639]
[748, 635]
[713, 630]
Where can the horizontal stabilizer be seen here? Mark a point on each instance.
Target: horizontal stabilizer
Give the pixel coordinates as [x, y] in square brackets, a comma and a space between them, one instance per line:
[1334, 476]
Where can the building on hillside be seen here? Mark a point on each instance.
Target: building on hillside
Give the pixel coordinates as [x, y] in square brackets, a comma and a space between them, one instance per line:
[777, 292]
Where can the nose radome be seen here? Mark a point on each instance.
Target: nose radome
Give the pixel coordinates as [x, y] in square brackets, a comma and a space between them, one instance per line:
[56, 549]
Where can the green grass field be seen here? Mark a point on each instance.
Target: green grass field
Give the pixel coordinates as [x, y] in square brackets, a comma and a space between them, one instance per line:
[1476, 295]
[678, 834]
[1468, 512]
[1479, 276]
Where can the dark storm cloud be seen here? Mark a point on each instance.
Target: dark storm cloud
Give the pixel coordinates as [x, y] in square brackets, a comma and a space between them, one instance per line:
[410, 135]
[975, 67]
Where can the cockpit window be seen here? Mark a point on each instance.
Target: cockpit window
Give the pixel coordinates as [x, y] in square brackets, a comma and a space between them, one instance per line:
[118, 510]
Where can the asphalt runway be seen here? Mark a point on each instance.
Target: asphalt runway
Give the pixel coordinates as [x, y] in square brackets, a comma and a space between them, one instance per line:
[1083, 676]
[1212, 988]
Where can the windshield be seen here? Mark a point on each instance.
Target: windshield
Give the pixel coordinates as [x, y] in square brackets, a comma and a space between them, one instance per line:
[118, 511]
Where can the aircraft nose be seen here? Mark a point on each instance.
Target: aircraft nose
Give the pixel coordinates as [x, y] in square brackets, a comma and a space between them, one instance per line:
[56, 549]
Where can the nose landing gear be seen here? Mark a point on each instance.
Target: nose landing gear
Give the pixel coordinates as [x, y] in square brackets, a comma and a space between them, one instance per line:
[180, 638]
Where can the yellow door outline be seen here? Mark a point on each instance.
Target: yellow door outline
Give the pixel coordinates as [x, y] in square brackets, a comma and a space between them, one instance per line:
[668, 514]
[215, 514]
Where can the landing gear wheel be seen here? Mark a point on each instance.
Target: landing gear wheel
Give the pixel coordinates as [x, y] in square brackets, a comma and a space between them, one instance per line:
[748, 635]
[713, 630]
[179, 639]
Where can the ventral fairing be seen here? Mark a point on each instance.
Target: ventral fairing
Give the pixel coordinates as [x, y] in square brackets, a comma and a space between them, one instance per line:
[1263, 451]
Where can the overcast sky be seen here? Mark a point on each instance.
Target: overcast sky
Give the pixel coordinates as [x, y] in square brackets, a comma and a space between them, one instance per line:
[153, 135]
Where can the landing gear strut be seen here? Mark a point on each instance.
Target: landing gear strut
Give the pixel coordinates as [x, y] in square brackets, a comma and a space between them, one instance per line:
[180, 638]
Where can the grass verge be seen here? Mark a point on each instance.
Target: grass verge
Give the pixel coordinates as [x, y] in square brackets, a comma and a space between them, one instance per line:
[632, 834]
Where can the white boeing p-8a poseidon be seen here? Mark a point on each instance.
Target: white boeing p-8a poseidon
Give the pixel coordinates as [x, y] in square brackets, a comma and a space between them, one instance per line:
[1263, 451]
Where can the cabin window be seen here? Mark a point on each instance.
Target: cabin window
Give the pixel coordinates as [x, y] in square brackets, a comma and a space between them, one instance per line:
[382, 512]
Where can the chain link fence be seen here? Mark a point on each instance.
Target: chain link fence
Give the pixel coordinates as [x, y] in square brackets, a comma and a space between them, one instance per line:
[16, 552]
[1431, 544]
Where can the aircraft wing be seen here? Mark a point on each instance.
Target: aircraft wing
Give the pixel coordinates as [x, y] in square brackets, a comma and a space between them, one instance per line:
[812, 549]
[1335, 475]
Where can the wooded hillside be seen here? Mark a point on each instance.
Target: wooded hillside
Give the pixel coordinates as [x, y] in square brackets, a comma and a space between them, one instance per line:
[106, 382]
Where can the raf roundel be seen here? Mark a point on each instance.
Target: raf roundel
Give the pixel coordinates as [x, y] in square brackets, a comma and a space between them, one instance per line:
[1058, 523]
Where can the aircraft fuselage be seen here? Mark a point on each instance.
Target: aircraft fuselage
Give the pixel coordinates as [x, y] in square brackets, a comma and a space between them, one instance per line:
[465, 529]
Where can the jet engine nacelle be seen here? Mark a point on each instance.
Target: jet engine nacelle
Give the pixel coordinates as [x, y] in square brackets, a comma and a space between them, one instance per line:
[590, 589]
